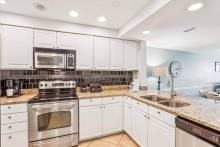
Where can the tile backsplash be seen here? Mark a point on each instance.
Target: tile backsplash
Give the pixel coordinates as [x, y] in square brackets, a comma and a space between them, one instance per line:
[31, 78]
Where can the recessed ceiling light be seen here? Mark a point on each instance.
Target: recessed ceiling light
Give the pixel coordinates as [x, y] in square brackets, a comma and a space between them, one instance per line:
[146, 32]
[102, 19]
[195, 6]
[2, 1]
[74, 14]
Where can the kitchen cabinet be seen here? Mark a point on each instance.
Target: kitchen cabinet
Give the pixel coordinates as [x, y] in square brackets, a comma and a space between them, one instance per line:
[45, 39]
[56, 40]
[101, 53]
[160, 133]
[84, 52]
[127, 118]
[14, 129]
[116, 49]
[112, 118]
[90, 122]
[66, 41]
[130, 55]
[16, 47]
[139, 127]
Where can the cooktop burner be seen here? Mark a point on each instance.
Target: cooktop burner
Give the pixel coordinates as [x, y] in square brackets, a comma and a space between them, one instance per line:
[55, 91]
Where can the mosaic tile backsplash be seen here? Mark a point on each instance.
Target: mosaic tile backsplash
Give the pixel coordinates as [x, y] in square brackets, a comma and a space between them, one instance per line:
[31, 78]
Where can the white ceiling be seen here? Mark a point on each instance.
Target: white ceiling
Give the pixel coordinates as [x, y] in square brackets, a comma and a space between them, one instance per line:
[117, 12]
[167, 26]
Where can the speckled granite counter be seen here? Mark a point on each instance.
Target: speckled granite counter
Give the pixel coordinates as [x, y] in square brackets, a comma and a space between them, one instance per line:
[24, 98]
[203, 111]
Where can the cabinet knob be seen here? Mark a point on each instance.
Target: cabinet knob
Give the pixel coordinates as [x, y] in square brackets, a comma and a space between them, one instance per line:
[9, 137]
[145, 115]
[9, 107]
[129, 107]
[158, 112]
[9, 117]
[148, 117]
[138, 103]
[100, 107]
[113, 98]
[9, 127]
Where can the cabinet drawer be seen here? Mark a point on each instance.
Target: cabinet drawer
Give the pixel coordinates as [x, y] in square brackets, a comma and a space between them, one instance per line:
[162, 115]
[15, 139]
[14, 128]
[110, 100]
[127, 100]
[139, 105]
[14, 118]
[90, 102]
[16, 108]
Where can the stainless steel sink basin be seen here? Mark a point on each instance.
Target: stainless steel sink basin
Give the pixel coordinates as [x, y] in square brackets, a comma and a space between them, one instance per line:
[154, 98]
[174, 104]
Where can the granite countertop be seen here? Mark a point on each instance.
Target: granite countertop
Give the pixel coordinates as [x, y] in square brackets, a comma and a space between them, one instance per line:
[203, 111]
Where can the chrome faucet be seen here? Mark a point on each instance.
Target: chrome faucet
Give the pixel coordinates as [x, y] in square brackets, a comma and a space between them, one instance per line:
[172, 92]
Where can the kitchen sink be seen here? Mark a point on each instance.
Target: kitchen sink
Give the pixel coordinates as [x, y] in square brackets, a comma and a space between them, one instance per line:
[154, 98]
[174, 103]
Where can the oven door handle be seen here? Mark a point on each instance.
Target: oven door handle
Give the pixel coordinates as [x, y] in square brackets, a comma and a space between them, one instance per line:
[50, 107]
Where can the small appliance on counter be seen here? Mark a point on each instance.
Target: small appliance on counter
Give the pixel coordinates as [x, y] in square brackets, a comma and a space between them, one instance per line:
[134, 86]
[3, 88]
[84, 87]
[95, 87]
[13, 88]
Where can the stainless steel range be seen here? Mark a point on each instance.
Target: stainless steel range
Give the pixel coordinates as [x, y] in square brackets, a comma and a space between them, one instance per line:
[54, 115]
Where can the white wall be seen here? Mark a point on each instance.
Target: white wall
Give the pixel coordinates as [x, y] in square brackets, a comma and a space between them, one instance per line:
[20, 20]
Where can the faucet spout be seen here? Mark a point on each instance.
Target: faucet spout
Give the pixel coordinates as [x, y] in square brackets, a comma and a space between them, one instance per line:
[172, 92]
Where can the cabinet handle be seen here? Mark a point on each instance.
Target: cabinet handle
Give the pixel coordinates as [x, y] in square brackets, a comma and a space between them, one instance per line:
[9, 127]
[158, 112]
[9, 137]
[9, 117]
[138, 103]
[9, 107]
[148, 117]
[145, 115]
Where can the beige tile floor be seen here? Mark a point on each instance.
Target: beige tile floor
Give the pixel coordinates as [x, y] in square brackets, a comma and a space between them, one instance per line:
[118, 140]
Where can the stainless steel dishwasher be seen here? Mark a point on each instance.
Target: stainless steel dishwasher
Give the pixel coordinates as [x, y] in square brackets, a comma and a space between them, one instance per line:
[189, 134]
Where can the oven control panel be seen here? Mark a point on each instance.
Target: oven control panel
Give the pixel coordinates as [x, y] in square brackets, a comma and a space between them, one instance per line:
[56, 84]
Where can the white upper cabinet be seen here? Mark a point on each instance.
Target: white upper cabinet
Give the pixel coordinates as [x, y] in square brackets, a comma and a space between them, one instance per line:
[116, 54]
[84, 52]
[130, 55]
[16, 47]
[101, 53]
[45, 39]
[66, 41]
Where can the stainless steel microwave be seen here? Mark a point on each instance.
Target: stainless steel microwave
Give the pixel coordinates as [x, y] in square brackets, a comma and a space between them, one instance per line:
[54, 58]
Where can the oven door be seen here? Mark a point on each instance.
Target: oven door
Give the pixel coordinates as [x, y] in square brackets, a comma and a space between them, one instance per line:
[49, 60]
[48, 120]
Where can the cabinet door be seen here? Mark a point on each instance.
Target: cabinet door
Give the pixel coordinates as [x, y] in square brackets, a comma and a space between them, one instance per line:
[140, 127]
[130, 55]
[45, 39]
[90, 122]
[127, 118]
[112, 118]
[84, 52]
[101, 53]
[14, 139]
[66, 41]
[17, 47]
[160, 134]
[116, 54]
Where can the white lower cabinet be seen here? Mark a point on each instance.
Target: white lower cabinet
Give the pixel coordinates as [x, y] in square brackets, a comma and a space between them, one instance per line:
[14, 125]
[112, 118]
[148, 126]
[90, 122]
[160, 134]
[127, 118]
[139, 127]
[100, 119]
